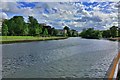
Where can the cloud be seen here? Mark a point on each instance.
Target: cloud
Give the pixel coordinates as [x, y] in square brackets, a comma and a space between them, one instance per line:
[76, 15]
[3, 15]
[87, 19]
[59, 0]
[13, 7]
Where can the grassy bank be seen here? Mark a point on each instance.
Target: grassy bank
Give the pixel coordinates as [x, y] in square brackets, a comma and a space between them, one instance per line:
[15, 39]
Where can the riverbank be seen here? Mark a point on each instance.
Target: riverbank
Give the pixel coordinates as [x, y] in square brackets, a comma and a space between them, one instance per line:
[114, 39]
[16, 39]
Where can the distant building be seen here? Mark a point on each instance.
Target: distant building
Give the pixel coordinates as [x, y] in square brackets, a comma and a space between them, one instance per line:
[43, 24]
[74, 33]
[61, 32]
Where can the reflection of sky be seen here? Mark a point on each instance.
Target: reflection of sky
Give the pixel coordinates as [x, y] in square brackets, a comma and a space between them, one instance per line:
[77, 15]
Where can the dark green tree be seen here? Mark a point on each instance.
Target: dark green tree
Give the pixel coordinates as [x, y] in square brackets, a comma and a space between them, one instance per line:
[18, 25]
[37, 30]
[68, 31]
[119, 32]
[106, 34]
[54, 32]
[33, 24]
[113, 31]
[66, 28]
[11, 27]
[91, 33]
[4, 29]
[26, 30]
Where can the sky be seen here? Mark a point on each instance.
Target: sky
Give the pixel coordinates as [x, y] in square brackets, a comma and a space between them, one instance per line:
[76, 15]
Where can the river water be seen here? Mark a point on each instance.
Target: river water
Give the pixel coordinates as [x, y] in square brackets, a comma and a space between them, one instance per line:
[72, 57]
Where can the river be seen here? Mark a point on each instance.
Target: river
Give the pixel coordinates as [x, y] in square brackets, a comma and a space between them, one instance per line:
[72, 57]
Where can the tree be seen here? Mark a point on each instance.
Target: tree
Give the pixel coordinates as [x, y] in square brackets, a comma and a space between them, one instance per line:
[54, 32]
[18, 25]
[66, 28]
[37, 30]
[11, 27]
[91, 33]
[88, 33]
[119, 32]
[106, 34]
[97, 34]
[33, 24]
[26, 30]
[45, 33]
[74, 33]
[49, 29]
[113, 31]
[40, 28]
[4, 29]
[68, 32]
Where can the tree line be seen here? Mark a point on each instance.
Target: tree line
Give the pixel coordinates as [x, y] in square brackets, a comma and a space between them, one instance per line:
[112, 32]
[16, 26]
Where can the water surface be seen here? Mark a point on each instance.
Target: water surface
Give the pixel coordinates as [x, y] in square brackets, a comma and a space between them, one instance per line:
[72, 57]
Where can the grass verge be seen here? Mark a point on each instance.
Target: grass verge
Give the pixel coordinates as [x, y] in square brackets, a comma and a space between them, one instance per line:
[15, 39]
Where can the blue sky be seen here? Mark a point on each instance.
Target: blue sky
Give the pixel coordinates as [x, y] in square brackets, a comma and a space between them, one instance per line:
[76, 15]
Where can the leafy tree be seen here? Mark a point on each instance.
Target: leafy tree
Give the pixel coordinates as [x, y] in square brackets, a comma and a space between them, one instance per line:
[49, 29]
[97, 34]
[74, 33]
[26, 30]
[4, 29]
[113, 31]
[11, 27]
[37, 32]
[119, 32]
[106, 34]
[40, 27]
[33, 24]
[91, 33]
[68, 32]
[66, 28]
[18, 25]
[54, 32]
[45, 33]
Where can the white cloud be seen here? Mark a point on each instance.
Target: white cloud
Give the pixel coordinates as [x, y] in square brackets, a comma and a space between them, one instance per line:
[58, 0]
[86, 13]
[12, 7]
[45, 15]
[3, 15]
[67, 11]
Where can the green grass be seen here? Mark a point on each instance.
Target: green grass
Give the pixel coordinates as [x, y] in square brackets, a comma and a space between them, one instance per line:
[14, 39]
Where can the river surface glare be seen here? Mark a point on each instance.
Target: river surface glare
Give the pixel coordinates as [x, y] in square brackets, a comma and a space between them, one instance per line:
[72, 57]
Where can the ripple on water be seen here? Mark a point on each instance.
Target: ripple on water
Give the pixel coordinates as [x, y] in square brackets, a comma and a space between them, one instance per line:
[13, 65]
[66, 58]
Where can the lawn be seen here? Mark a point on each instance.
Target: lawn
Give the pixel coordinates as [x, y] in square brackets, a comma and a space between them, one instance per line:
[14, 39]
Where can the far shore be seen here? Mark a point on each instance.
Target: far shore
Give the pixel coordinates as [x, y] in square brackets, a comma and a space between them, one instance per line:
[114, 39]
[18, 39]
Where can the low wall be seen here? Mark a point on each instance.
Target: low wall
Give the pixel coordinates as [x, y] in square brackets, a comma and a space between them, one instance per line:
[114, 70]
